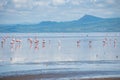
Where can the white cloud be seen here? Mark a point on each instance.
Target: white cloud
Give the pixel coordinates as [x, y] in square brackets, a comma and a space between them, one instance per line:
[2, 4]
[23, 4]
[58, 10]
[40, 3]
[59, 2]
[100, 5]
[110, 1]
[76, 2]
[30, 4]
[20, 1]
[93, 1]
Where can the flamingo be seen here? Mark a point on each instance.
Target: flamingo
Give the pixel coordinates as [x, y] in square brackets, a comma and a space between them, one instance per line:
[30, 41]
[90, 42]
[96, 55]
[117, 57]
[36, 44]
[12, 44]
[3, 42]
[78, 43]
[104, 43]
[59, 44]
[19, 43]
[13, 39]
[43, 43]
[115, 42]
[110, 41]
[11, 59]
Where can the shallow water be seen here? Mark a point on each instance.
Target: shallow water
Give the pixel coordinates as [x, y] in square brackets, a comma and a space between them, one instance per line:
[60, 47]
[60, 53]
[72, 69]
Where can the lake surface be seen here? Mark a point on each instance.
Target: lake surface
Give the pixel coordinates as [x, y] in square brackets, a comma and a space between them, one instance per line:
[29, 53]
[59, 47]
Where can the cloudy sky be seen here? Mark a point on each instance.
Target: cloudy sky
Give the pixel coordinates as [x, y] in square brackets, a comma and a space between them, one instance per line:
[35, 11]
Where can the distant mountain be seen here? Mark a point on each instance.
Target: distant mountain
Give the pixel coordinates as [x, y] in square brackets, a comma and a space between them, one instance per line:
[89, 18]
[87, 23]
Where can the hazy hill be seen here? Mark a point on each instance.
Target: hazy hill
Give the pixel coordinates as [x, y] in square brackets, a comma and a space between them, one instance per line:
[87, 23]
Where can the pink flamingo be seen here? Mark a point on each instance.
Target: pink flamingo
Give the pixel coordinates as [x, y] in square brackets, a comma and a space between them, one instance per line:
[59, 44]
[106, 39]
[104, 43]
[78, 43]
[3, 42]
[115, 42]
[11, 59]
[19, 43]
[36, 44]
[6, 37]
[96, 55]
[90, 42]
[43, 43]
[117, 57]
[13, 39]
[30, 41]
[12, 43]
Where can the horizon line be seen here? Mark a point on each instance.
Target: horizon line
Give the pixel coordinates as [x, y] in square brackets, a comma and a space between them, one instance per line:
[29, 23]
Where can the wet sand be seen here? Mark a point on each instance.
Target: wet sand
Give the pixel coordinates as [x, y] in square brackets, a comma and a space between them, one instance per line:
[100, 79]
[51, 77]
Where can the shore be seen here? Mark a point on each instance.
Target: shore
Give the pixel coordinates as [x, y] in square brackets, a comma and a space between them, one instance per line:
[99, 79]
[52, 77]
